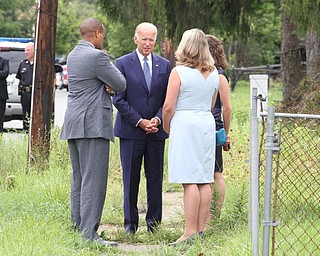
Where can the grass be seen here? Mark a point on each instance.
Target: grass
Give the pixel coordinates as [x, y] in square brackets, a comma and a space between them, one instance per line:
[34, 206]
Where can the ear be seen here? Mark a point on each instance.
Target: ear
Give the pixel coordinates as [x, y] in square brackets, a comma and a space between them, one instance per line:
[135, 39]
[98, 33]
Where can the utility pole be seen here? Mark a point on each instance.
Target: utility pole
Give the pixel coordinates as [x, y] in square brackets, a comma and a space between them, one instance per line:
[43, 83]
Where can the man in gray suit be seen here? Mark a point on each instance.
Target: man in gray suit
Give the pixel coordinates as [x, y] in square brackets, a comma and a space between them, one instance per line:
[88, 126]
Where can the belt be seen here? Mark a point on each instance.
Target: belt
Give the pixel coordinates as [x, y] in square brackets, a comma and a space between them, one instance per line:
[26, 88]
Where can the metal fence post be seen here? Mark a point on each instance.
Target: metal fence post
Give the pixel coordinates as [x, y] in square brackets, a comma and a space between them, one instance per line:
[254, 175]
[261, 83]
[270, 148]
[233, 78]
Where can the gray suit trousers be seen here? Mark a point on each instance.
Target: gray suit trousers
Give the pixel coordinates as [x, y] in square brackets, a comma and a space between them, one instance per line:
[90, 162]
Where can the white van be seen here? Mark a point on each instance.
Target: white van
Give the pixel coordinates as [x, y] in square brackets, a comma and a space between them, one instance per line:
[13, 50]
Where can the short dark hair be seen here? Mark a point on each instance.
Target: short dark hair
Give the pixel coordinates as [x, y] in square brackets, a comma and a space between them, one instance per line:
[90, 26]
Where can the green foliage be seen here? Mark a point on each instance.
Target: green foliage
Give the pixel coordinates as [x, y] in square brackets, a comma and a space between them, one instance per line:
[305, 13]
[305, 94]
[169, 16]
[235, 16]
[171, 20]
[262, 45]
[265, 36]
[10, 161]
[237, 213]
[304, 232]
[17, 18]
[126, 12]
[34, 213]
[59, 154]
[120, 39]
[251, 29]
[306, 98]
[70, 16]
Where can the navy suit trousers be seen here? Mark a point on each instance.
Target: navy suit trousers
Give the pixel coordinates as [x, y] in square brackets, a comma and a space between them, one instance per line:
[132, 153]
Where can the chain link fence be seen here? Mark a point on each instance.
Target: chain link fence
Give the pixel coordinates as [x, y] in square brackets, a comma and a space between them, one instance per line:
[295, 187]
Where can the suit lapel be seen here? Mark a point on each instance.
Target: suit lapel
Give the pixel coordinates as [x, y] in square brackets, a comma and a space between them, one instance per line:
[155, 69]
[136, 66]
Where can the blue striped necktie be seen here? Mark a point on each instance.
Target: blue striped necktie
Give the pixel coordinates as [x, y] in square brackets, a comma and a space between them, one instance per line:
[146, 71]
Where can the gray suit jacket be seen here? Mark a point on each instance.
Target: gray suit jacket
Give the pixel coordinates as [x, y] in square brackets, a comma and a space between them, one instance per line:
[89, 111]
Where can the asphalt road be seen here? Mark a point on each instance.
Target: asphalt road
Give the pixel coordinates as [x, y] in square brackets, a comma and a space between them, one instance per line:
[60, 106]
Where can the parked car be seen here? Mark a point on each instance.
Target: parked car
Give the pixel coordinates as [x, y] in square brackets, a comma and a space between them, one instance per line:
[13, 50]
[62, 77]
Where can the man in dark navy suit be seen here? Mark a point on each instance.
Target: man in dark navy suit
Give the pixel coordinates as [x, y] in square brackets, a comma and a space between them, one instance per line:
[139, 127]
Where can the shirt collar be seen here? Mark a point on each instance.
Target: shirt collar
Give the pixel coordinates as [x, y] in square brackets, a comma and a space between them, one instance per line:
[82, 41]
[141, 57]
[91, 44]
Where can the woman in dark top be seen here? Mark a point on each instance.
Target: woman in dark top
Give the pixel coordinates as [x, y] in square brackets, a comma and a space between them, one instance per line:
[222, 116]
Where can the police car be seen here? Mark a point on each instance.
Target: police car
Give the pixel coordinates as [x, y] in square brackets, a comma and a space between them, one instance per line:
[13, 50]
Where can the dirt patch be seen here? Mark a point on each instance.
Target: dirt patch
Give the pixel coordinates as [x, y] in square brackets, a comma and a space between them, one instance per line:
[137, 248]
[172, 206]
[172, 211]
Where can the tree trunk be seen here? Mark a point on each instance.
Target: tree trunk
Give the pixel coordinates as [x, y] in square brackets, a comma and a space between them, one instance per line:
[313, 55]
[167, 50]
[43, 87]
[291, 72]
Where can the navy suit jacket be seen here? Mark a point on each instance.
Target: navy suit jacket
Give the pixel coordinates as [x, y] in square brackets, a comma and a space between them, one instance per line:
[137, 101]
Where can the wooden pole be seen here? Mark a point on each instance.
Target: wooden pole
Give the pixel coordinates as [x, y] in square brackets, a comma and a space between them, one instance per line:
[43, 87]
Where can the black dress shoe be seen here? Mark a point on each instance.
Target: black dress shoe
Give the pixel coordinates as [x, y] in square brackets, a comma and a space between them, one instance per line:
[152, 228]
[130, 230]
[101, 241]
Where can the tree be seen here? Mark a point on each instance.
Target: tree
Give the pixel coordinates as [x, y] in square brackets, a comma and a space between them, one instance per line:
[42, 99]
[306, 15]
[172, 18]
[290, 59]
[120, 40]
[262, 45]
[70, 15]
[313, 55]
[17, 18]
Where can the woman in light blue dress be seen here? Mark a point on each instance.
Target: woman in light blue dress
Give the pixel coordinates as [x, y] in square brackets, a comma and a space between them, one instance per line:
[187, 118]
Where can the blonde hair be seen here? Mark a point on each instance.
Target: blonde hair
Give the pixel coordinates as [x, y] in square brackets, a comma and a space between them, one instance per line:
[193, 50]
[217, 52]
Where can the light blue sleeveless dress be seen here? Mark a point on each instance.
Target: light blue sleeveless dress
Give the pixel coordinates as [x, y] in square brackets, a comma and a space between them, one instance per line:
[191, 152]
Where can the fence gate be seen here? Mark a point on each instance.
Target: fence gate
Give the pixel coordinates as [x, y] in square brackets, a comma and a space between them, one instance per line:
[288, 173]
